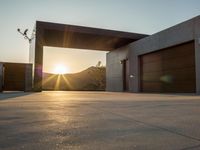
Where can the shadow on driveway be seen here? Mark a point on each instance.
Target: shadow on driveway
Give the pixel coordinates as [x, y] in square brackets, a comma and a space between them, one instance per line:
[13, 94]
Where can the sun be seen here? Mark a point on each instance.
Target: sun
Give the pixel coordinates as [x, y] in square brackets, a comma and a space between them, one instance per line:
[61, 69]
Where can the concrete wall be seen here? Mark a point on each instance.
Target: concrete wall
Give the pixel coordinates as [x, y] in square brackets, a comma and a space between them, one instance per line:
[114, 77]
[181, 33]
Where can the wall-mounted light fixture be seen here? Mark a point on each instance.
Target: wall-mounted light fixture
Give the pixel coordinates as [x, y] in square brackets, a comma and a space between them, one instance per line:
[121, 61]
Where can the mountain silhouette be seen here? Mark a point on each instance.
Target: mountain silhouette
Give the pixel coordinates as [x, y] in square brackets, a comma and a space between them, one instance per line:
[91, 79]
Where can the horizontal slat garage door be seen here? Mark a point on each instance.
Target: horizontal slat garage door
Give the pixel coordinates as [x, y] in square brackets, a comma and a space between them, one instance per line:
[14, 77]
[169, 70]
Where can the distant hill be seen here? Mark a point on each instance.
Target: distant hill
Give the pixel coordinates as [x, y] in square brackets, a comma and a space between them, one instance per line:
[91, 79]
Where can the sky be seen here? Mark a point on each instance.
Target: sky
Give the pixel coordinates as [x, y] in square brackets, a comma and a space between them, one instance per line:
[139, 16]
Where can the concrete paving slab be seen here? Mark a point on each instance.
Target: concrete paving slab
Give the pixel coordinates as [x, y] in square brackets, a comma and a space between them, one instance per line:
[99, 121]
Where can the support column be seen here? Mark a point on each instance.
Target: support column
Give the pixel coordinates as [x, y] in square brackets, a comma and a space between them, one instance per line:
[38, 59]
[38, 70]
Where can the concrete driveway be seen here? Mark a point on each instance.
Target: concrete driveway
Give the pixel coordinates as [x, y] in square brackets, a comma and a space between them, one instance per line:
[99, 121]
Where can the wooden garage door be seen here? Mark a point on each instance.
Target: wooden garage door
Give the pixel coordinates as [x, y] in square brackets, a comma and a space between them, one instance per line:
[14, 77]
[169, 70]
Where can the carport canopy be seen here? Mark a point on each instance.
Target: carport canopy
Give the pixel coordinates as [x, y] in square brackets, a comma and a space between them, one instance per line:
[72, 36]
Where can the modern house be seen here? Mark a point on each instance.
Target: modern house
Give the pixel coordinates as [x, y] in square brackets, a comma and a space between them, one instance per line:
[168, 61]
[165, 62]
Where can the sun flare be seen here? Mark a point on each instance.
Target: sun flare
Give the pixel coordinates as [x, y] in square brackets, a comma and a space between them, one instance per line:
[61, 69]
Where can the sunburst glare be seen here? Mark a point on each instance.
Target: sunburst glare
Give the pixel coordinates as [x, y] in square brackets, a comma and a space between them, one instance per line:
[61, 69]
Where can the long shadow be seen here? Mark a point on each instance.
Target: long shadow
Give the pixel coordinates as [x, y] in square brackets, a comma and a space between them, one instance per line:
[8, 95]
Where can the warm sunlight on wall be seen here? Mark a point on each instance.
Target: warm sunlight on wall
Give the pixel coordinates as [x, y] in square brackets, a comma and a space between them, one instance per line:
[67, 60]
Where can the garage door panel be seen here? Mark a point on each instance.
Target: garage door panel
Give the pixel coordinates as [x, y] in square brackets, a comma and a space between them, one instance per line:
[14, 86]
[169, 70]
[151, 87]
[153, 57]
[181, 74]
[178, 63]
[180, 51]
[152, 76]
[14, 77]
[152, 67]
[179, 87]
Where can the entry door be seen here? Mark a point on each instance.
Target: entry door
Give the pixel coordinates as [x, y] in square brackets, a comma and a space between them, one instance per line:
[126, 75]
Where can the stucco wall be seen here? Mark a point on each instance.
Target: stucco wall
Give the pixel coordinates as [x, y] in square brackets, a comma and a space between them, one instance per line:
[114, 78]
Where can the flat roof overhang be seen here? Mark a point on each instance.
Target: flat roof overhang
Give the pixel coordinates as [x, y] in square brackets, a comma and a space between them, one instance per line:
[72, 36]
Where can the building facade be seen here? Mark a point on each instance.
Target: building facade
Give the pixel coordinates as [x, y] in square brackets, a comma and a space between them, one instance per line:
[166, 62]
